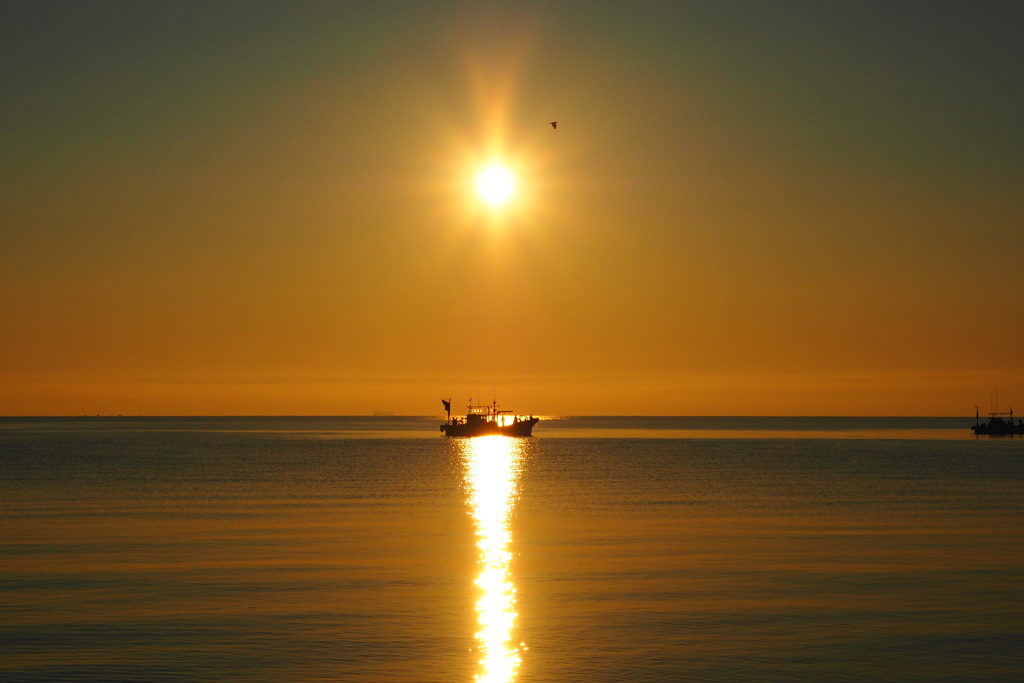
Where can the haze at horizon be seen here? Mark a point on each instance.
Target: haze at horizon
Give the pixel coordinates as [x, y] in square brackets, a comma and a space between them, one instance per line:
[260, 208]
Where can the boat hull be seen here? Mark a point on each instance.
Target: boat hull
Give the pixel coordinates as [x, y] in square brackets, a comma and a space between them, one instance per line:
[489, 428]
[998, 429]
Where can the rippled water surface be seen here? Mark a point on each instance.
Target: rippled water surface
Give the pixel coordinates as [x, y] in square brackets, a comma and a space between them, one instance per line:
[602, 549]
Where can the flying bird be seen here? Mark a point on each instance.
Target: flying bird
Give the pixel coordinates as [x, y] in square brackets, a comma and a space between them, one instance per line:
[554, 124]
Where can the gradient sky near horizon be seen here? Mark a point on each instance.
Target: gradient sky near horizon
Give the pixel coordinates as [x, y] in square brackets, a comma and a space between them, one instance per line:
[747, 207]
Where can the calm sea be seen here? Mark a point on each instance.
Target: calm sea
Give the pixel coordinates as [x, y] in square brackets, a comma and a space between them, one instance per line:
[602, 549]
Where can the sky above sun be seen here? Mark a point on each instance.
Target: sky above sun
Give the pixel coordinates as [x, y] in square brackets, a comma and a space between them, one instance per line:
[340, 208]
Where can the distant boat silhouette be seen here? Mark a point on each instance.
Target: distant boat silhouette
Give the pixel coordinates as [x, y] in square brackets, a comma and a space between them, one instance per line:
[999, 424]
[482, 420]
[554, 124]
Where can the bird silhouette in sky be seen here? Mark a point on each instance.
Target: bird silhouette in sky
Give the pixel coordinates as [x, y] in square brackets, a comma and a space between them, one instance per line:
[554, 124]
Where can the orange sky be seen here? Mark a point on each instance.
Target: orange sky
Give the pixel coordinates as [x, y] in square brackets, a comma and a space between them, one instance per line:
[267, 209]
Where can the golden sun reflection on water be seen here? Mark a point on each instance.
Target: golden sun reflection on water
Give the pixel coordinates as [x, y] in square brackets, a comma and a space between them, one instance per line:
[492, 465]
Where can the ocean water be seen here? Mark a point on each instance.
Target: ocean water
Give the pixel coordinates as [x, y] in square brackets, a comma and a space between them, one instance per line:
[602, 549]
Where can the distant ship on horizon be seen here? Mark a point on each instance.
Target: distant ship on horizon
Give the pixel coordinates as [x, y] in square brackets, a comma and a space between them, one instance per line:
[999, 424]
[486, 420]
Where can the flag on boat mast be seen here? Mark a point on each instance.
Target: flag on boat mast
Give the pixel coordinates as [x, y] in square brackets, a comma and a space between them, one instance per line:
[447, 405]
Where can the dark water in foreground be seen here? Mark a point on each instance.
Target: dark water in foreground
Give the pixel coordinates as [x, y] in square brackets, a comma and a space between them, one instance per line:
[603, 549]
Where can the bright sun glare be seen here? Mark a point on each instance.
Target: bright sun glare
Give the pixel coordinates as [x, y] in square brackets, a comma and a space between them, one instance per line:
[495, 185]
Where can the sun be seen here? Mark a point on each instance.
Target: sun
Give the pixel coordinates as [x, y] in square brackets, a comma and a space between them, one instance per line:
[496, 185]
